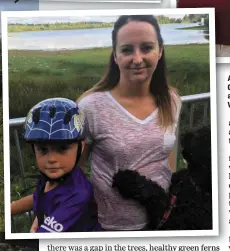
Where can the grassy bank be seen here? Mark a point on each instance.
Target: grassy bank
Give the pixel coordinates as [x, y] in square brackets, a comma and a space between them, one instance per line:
[56, 26]
[35, 75]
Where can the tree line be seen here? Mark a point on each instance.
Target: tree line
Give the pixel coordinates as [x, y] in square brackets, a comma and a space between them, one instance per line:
[17, 27]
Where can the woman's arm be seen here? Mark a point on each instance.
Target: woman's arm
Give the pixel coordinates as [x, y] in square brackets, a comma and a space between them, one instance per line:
[173, 153]
[172, 162]
[177, 105]
[22, 205]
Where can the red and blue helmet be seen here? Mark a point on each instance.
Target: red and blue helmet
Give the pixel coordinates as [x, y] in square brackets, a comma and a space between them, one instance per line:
[55, 119]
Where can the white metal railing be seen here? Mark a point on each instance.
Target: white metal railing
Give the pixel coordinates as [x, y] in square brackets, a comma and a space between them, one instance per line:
[17, 122]
[189, 101]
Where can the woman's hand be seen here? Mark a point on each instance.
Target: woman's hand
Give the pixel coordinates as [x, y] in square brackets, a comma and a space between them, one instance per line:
[34, 227]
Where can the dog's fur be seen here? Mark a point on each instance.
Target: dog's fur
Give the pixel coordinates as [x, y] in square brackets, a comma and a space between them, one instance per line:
[191, 186]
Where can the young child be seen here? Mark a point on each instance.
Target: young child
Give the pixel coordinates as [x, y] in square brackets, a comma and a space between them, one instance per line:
[63, 200]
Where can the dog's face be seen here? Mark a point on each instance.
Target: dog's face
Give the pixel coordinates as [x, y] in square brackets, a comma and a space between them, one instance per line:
[196, 147]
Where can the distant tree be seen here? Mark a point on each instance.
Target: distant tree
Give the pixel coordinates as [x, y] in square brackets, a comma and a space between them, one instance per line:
[194, 18]
[167, 20]
[206, 21]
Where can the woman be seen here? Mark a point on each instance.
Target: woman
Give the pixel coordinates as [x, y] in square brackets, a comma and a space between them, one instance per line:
[222, 20]
[132, 116]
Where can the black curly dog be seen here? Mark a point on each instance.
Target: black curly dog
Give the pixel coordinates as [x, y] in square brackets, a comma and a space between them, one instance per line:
[188, 205]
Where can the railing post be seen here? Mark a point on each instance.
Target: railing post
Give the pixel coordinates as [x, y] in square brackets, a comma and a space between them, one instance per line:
[20, 157]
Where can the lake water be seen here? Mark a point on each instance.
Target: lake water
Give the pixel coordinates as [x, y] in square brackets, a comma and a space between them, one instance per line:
[91, 38]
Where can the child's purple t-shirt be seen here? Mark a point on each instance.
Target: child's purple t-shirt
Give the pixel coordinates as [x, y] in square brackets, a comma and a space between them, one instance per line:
[69, 207]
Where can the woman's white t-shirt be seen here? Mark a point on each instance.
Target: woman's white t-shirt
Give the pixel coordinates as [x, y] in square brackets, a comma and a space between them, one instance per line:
[121, 141]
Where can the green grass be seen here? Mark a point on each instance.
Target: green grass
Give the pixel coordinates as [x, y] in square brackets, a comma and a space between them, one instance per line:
[188, 68]
[36, 75]
[41, 75]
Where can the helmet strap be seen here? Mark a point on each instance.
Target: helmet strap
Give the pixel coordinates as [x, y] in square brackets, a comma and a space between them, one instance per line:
[79, 150]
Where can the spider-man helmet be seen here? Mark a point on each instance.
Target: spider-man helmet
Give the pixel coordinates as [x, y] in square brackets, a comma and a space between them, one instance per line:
[55, 119]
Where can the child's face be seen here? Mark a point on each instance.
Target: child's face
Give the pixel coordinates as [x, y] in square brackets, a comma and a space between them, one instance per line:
[55, 160]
